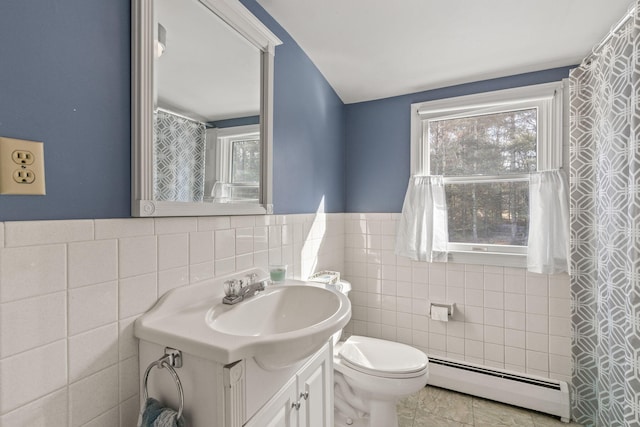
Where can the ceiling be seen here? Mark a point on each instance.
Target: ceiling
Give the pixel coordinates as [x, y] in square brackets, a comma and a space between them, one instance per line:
[371, 49]
[199, 43]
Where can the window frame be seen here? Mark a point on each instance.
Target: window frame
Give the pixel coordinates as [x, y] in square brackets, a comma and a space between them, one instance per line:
[546, 98]
[220, 152]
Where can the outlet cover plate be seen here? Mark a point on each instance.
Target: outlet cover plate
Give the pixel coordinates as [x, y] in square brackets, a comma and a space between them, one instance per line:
[11, 164]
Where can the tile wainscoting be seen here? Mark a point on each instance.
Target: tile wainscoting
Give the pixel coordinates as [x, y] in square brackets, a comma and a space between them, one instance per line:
[504, 317]
[70, 291]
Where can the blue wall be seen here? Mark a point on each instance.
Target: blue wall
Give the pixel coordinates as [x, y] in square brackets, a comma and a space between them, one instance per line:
[379, 140]
[308, 130]
[65, 80]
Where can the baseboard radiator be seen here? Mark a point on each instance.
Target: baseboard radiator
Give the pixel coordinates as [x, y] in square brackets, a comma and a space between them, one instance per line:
[540, 394]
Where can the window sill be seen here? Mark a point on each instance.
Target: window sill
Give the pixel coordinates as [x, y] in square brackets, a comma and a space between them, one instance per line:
[489, 258]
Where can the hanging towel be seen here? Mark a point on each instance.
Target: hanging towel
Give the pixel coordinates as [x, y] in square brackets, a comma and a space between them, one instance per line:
[155, 414]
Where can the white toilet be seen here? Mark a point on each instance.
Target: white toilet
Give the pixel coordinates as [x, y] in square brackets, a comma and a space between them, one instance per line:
[371, 375]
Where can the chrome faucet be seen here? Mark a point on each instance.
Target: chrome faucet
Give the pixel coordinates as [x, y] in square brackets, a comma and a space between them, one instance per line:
[237, 290]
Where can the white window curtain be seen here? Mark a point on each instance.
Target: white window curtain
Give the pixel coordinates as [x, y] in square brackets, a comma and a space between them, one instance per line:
[423, 230]
[548, 223]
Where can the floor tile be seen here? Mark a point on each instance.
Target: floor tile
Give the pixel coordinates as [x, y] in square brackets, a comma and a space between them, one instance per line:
[488, 413]
[435, 407]
[449, 405]
[406, 409]
[404, 420]
[411, 401]
[428, 396]
[544, 420]
[431, 420]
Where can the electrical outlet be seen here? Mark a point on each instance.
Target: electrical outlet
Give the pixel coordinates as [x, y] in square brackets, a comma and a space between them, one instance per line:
[22, 157]
[24, 176]
[21, 167]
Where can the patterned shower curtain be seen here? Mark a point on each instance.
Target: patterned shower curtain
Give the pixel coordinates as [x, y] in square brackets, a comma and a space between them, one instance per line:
[178, 158]
[605, 232]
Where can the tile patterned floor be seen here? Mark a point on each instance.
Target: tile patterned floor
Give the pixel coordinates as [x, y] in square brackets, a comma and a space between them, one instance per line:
[437, 407]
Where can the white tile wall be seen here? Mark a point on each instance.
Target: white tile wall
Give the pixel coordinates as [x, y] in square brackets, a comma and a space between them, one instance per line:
[71, 290]
[505, 317]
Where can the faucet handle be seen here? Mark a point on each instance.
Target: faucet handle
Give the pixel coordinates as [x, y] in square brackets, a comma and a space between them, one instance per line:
[252, 278]
[232, 287]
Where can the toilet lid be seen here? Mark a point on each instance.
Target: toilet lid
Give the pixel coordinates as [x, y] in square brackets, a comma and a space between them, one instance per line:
[382, 358]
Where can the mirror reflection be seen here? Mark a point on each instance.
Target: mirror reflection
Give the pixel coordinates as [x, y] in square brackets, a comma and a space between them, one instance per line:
[207, 98]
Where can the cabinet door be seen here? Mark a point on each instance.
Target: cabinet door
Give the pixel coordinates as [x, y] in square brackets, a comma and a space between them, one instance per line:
[315, 385]
[280, 411]
[306, 400]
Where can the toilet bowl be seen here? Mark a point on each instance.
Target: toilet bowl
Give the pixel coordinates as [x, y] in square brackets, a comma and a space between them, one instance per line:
[370, 376]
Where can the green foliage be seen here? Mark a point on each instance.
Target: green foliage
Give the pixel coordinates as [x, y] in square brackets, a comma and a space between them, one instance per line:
[490, 144]
[489, 213]
[246, 161]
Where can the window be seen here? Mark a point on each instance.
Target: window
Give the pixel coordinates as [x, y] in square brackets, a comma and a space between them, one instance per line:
[244, 174]
[234, 164]
[485, 146]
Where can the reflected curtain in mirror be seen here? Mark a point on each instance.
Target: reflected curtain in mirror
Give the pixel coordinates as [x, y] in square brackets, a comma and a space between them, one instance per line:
[179, 158]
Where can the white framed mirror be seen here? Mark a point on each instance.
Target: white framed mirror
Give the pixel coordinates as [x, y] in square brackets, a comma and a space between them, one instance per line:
[202, 99]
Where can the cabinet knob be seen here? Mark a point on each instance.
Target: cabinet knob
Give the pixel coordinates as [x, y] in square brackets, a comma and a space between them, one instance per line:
[296, 405]
[304, 395]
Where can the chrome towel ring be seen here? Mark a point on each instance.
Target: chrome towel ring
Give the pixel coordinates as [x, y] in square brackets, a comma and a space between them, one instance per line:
[169, 360]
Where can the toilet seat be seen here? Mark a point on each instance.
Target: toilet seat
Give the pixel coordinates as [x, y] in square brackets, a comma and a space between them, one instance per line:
[382, 358]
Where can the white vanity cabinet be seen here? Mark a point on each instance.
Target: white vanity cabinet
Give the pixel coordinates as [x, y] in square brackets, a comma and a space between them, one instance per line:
[279, 411]
[267, 361]
[243, 394]
[306, 400]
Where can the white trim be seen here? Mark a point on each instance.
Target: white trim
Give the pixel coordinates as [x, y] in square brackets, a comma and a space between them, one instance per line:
[153, 208]
[266, 129]
[487, 248]
[237, 131]
[237, 16]
[142, 100]
[489, 258]
[546, 98]
[514, 388]
[486, 179]
[489, 99]
[142, 65]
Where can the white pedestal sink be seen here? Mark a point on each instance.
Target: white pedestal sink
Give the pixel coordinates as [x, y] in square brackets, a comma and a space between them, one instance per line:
[278, 327]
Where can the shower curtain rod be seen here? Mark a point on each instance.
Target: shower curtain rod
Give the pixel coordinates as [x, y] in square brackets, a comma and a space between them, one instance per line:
[596, 49]
[179, 115]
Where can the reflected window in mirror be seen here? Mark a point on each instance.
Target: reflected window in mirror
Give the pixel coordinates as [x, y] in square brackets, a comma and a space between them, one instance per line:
[234, 154]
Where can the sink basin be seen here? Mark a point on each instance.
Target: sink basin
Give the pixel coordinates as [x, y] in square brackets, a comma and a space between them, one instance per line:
[278, 310]
[280, 326]
[285, 323]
